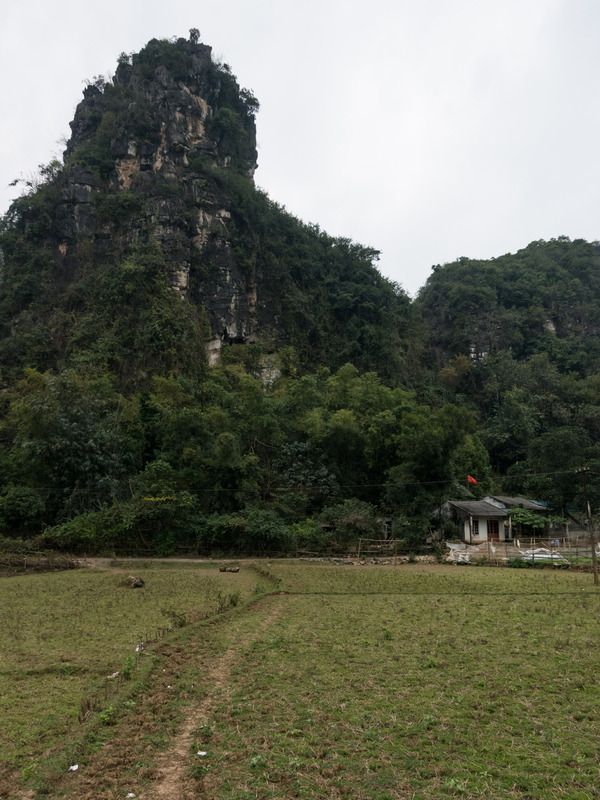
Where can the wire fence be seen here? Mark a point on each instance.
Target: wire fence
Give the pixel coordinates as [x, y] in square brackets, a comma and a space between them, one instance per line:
[567, 550]
[572, 549]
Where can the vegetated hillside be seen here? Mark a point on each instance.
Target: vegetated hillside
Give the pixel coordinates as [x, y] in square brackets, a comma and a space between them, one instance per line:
[544, 298]
[517, 339]
[160, 321]
[151, 247]
[185, 364]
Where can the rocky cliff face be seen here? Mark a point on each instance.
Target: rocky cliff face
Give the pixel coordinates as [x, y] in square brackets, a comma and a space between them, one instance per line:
[139, 165]
[150, 246]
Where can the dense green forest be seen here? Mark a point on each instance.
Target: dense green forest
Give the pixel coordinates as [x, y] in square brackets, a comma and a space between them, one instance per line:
[516, 340]
[333, 401]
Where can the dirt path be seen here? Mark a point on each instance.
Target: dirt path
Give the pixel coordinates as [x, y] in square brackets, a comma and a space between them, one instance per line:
[148, 753]
[171, 781]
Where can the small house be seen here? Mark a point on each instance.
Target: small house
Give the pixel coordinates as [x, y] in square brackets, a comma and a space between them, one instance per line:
[479, 521]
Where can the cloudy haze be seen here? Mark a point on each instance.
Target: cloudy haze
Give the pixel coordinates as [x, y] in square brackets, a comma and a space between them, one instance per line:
[429, 129]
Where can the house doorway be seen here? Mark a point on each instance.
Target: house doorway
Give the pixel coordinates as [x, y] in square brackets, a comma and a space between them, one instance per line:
[492, 530]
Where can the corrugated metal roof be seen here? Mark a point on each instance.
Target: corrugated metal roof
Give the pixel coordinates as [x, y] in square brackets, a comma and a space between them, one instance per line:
[514, 502]
[478, 508]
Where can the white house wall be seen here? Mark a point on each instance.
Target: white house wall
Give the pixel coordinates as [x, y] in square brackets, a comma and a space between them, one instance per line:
[483, 529]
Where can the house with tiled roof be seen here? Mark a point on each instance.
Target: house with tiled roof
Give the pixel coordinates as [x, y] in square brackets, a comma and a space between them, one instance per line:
[479, 521]
[488, 520]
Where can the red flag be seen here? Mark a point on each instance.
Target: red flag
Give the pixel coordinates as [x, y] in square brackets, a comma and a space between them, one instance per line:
[470, 479]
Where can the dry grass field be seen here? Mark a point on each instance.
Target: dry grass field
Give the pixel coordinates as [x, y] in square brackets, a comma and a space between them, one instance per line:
[314, 681]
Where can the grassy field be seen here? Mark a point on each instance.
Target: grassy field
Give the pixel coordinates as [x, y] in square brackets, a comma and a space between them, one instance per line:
[62, 634]
[421, 682]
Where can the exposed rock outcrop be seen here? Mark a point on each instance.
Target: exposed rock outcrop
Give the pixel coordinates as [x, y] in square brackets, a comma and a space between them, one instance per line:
[141, 154]
[150, 249]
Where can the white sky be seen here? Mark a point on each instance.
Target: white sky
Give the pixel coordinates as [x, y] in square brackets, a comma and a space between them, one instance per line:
[428, 129]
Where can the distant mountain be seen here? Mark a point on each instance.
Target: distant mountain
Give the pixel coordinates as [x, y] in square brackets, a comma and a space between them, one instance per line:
[517, 339]
[185, 364]
[544, 298]
[150, 249]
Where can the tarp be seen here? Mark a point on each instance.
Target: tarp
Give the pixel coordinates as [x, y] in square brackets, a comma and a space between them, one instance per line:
[460, 552]
[543, 554]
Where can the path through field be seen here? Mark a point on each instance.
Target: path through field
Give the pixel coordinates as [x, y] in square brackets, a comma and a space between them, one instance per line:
[191, 677]
[171, 779]
[411, 683]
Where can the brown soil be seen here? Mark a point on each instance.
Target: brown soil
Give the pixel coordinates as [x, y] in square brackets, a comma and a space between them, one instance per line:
[171, 781]
[128, 761]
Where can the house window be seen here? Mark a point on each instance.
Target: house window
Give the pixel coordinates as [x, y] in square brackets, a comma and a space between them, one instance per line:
[476, 528]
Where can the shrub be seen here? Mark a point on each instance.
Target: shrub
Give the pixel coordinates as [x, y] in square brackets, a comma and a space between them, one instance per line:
[351, 520]
[161, 52]
[311, 535]
[117, 207]
[252, 531]
[222, 531]
[266, 532]
[21, 508]
[519, 563]
[89, 533]
[14, 546]
[128, 667]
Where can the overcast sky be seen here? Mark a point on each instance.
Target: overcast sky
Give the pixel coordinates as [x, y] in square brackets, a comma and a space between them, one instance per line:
[427, 129]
